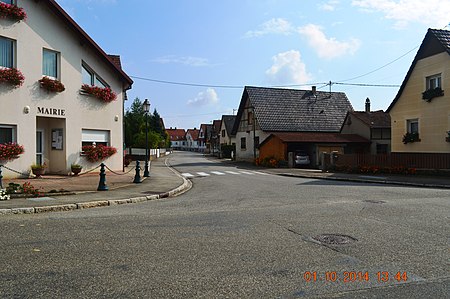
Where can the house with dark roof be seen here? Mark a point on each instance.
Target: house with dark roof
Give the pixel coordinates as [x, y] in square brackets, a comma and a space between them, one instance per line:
[69, 92]
[226, 139]
[372, 125]
[420, 112]
[275, 121]
[177, 138]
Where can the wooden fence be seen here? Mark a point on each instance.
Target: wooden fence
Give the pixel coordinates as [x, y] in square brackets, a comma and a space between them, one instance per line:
[407, 160]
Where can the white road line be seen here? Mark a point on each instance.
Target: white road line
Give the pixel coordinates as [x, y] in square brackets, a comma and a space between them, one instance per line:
[258, 172]
[203, 174]
[246, 172]
[187, 175]
[218, 172]
[232, 172]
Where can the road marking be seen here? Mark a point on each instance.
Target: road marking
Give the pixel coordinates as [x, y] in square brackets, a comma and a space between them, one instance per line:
[218, 172]
[263, 173]
[203, 174]
[246, 172]
[231, 172]
[187, 175]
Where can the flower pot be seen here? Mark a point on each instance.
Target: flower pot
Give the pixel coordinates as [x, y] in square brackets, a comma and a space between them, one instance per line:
[76, 170]
[38, 172]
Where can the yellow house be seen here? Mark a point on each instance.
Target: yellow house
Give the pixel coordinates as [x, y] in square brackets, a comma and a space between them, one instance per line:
[420, 113]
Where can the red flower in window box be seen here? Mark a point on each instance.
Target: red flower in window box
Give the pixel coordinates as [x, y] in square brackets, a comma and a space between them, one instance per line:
[11, 76]
[102, 93]
[52, 84]
[98, 153]
[12, 11]
[10, 151]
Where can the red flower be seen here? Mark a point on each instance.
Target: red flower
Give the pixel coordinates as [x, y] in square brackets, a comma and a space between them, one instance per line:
[103, 93]
[12, 76]
[98, 153]
[51, 84]
[10, 151]
[12, 11]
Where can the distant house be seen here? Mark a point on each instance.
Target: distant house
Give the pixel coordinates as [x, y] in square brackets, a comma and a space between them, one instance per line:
[226, 128]
[192, 140]
[177, 138]
[372, 125]
[274, 122]
[204, 138]
[420, 113]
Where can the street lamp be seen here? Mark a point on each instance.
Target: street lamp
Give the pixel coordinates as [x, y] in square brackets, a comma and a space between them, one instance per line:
[146, 107]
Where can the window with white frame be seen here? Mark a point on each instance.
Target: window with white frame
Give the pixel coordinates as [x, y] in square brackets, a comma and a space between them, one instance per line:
[434, 81]
[413, 125]
[6, 52]
[50, 63]
[89, 77]
[7, 133]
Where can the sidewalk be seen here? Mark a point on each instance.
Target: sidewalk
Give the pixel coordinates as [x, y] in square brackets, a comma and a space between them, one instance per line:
[163, 182]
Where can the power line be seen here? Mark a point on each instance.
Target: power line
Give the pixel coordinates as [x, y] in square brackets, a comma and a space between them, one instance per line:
[185, 83]
[366, 85]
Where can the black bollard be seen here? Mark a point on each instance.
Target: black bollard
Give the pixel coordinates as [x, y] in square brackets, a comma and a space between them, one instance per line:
[137, 177]
[1, 177]
[102, 183]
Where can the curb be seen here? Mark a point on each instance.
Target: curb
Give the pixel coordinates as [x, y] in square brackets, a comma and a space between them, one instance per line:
[398, 183]
[186, 186]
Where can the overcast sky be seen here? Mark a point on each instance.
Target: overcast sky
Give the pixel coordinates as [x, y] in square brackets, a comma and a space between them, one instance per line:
[215, 48]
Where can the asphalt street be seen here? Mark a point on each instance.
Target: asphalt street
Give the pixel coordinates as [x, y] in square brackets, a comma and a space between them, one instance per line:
[238, 233]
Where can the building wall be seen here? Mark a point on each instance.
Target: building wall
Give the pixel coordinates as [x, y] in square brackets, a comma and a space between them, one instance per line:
[226, 139]
[74, 110]
[434, 116]
[274, 147]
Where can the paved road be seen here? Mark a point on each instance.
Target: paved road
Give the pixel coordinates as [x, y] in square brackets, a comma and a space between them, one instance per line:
[237, 234]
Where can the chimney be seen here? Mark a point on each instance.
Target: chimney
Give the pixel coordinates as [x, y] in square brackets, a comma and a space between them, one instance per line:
[313, 89]
[367, 105]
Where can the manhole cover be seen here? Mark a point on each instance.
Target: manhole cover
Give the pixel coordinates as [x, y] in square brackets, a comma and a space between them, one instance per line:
[334, 239]
[374, 201]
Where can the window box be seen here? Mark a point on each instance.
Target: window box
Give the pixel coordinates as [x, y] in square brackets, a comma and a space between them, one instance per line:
[98, 153]
[105, 94]
[51, 85]
[411, 137]
[10, 151]
[429, 94]
[11, 76]
[12, 11]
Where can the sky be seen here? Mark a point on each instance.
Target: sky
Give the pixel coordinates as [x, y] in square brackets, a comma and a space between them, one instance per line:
[192, 58]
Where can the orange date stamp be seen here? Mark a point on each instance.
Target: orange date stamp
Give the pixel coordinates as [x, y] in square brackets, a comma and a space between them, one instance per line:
[355, 276]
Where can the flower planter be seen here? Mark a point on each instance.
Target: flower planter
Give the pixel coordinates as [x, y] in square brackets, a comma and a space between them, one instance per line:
[51, 85]
[11, 76]
[76, 170]
[10, 151]
[104, 94]
[430, 94]
[38, 172]
[12, 12]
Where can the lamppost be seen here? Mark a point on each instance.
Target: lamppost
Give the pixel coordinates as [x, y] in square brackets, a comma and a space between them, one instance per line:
[254, 132]
[146, 106]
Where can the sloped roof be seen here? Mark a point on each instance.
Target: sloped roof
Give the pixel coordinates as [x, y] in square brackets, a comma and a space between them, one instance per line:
[176, 134]
[194, 133]
[292, 110]
[436, 41]
[229, 122]
[85, 38]
[216, 125]
[373, 119]
[319, 137]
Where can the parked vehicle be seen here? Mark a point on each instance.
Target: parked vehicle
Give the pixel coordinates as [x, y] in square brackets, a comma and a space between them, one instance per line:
[302, 158]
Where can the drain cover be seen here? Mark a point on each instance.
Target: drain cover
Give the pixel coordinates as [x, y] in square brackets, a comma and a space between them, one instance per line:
[334, 239]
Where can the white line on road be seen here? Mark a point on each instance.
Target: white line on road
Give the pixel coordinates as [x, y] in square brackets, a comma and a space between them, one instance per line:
[187, 175]
[263, 173]
[246, 172]
[218, 172]
[203, 174]
[231, 172]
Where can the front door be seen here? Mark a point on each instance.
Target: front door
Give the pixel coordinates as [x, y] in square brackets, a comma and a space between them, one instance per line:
[39, 147]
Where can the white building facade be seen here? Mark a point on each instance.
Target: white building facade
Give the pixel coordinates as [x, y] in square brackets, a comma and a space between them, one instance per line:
[53, 126]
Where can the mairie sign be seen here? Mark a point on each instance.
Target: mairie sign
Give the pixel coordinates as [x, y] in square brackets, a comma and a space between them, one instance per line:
[51, 111]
